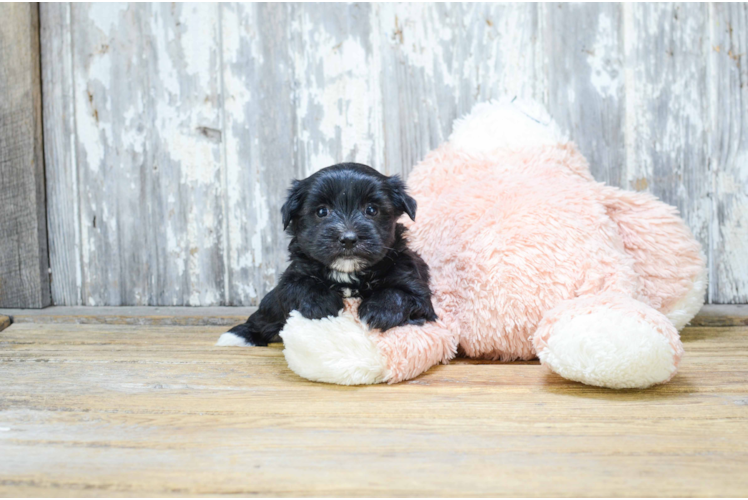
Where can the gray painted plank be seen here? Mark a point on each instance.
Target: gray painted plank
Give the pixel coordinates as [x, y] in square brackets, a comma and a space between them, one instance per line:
[132, 315]
[63, 216]
[437, 60]
[260, 127]
[729, 152]
[150, 160]
[24, 265]
[666, 107]
[336, 79]
[583, 58]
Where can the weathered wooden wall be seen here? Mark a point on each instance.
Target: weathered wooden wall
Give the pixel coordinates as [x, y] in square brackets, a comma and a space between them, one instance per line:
[173, 130]
[24, 268]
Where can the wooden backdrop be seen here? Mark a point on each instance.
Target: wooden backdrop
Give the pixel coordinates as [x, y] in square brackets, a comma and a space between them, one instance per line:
[172, 130]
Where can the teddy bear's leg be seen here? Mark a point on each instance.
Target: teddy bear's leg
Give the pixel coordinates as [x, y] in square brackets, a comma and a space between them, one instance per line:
[609, 340]
[342, 350]
[667, 258]
[411, 350]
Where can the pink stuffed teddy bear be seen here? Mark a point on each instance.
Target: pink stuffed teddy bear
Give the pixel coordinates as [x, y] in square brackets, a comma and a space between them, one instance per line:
[530, 258]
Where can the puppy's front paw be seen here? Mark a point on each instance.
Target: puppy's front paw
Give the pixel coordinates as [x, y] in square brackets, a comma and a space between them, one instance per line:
[382, 315]
[321, 307]
[240, 336]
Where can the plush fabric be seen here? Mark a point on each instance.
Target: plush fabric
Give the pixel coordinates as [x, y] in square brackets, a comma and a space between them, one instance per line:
[324, 351]
[529, 257]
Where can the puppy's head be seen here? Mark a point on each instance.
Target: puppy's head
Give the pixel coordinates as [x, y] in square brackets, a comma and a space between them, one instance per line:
[345, 215]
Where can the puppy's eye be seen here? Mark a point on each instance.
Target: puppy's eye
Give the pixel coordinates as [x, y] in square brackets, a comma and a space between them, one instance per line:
[371, 210]
[322, 212]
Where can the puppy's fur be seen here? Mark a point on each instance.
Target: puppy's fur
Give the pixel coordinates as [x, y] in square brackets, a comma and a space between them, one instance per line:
[346, 242]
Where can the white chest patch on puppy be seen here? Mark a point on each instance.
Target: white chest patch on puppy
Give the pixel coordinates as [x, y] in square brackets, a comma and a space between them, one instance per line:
[346, 292]
[341, 277]
[346, 265]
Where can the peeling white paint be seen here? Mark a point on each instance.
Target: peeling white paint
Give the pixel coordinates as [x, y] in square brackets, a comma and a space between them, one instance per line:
[606, 75]
[200, 22]
[105, 16]
[185, 167]
[342, 131]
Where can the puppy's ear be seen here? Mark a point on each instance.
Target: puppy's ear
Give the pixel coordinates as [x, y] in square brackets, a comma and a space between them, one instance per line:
[400, 198]
[292, 206]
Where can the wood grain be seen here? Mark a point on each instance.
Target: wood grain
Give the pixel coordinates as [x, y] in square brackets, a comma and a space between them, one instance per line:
[438, 60]
[191, 121]
[24, 265]
[721, 315]
[260, 149]
[60, 139]
[583, 56]
[728, 64]
[148, 121]
[667, 108]
[117, 410]
[184, 316]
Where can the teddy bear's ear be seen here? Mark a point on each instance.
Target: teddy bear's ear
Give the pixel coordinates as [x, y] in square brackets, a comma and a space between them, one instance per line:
[292, 206]
[402, 201]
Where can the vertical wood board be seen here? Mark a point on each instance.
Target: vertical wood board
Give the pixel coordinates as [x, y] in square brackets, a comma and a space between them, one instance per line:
[667, 121]
[583, 57]
[150, 161]
[60, 138]
[24, 265]
[260, 150]
[728, 152]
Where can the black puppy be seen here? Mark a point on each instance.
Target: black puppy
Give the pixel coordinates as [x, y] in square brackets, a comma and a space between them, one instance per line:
[346, 242]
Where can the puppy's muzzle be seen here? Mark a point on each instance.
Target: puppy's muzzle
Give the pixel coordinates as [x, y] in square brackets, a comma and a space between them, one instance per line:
[348, 239]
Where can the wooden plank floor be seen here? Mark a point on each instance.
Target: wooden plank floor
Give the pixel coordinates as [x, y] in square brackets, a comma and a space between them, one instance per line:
[123, 410]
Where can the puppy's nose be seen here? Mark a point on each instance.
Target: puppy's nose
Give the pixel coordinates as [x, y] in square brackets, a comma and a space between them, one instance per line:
[348, 239]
